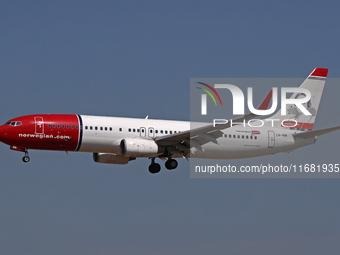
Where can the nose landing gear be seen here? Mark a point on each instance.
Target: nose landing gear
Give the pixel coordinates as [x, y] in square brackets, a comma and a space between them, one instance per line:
[26, 158]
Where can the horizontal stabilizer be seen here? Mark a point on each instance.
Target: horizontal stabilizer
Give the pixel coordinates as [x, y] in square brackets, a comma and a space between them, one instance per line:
[316, 132]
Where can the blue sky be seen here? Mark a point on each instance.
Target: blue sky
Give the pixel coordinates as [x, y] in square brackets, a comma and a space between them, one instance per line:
[136, 58]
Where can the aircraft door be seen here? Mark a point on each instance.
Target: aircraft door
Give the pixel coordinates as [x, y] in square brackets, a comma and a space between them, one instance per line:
[151, 132]
[39, 125]
[142, 131]
[271, 139]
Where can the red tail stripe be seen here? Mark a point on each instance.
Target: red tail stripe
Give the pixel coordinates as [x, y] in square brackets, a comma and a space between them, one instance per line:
[320, 72]
[266, 101]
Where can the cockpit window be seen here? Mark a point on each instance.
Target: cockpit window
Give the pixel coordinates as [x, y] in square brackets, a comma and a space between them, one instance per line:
[13, 123]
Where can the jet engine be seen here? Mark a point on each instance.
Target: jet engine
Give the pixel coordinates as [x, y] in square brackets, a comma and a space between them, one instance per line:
[136, 147]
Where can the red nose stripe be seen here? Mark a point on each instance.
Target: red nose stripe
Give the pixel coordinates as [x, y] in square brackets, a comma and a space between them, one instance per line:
[45, 132]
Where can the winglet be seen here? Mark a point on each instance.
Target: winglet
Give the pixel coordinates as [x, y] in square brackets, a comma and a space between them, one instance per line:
[265, 103]
[320, 72]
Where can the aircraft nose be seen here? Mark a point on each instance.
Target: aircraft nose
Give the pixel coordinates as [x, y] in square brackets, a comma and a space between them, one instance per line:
[2, 133]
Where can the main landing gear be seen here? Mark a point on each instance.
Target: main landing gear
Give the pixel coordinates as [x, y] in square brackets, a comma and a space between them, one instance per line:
[169, 164]
[154, 167]
[26, 158]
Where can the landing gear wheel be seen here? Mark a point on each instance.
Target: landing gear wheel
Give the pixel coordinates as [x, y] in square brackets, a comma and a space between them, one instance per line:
[26, 159]
[154, 168]
[171, 164]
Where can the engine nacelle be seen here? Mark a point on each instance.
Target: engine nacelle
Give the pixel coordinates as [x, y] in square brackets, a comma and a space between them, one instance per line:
[109, 158]
[137, 147]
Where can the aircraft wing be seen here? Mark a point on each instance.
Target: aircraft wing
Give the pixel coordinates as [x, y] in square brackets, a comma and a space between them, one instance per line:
[316, 132]
[209, 133]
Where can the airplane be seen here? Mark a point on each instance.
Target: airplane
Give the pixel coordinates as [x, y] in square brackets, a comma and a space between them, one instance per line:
[116, 140]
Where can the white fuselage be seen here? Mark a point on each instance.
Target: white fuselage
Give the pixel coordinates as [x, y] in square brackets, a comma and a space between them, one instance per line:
[104, 134]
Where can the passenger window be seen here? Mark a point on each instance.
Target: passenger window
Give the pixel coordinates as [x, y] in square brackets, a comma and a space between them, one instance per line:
[101, 128]
[67, 126]
[161, 131]
[53, 125]
[229, 136]
[63, 126]
[251, 137]
[86, 127]
[156, 131]
[246, 137]
[96, 128]
[166, 131]
[90, 127]
[129, 129]
[138, 130]
[72, 126]
[243, 137]
[234, 136]
[170, 132]
[76, 127]
[58, 126]
[255, 137]
[105, 128]
[120, 129]
[49, 125]
[111, 129]
[134, 130]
